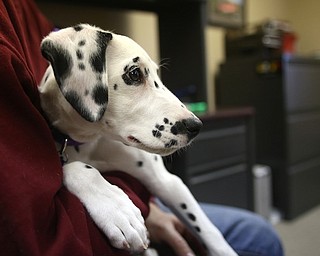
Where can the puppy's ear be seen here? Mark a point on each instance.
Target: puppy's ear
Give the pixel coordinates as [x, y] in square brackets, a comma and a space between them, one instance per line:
[78, 58]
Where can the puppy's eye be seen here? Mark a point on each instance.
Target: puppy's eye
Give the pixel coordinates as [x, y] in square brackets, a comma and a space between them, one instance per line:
[133, 76]
[136, 75]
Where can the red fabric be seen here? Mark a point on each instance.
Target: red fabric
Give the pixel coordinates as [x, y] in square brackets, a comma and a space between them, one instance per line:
[38, 216]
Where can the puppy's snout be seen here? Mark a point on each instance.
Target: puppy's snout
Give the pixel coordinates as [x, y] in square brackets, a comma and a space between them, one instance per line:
[189, 126]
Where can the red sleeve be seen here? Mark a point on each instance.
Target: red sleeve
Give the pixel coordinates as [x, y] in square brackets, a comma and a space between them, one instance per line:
[38, 215]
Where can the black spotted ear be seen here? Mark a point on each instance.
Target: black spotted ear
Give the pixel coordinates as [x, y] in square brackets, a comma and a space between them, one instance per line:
[78, 58]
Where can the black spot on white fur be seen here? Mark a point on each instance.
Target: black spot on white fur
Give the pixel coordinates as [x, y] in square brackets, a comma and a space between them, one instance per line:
[81, 66]
[191, 217]
[140, 163]
[75, 100]
[98, 59]
[160, 127]
[78, 28]
[136, 59]
[100, 94]
[156, 84]
[183, 206]
[156, 133]
[60, 59]
[178, 128]
[79, 54]
[197, 229]
[81, 43]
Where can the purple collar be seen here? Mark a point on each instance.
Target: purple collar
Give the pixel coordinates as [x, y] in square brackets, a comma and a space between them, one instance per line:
[64, 140]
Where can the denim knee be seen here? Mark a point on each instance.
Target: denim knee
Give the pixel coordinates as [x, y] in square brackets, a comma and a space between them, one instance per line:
[248, 233]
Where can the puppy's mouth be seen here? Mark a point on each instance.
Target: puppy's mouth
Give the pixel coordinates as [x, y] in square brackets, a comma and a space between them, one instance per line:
[134, 142]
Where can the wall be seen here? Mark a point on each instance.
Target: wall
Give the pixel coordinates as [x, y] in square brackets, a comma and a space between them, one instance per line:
[305, 19]
[259, 10]
[215, 55]
[123, 22]
[303, 15]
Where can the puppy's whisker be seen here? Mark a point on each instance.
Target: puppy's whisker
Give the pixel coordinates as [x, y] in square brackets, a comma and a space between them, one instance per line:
[164, 63]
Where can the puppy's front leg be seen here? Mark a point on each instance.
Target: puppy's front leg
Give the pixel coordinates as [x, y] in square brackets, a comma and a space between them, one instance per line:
[175, 194]
[188, 210]
[150, 170]
[110, 208]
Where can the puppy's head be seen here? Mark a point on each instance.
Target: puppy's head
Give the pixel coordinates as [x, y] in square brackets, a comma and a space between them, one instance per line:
[112, 83]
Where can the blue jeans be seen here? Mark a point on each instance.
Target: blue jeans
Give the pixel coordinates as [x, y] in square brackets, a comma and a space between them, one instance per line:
[247, 233]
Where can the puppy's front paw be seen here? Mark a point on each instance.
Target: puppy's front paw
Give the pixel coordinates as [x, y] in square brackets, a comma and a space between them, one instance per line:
[119, 218]
[110, 208]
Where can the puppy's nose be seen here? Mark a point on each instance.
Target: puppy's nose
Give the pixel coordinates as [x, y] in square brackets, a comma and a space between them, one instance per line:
[193, 126]
[190, 126]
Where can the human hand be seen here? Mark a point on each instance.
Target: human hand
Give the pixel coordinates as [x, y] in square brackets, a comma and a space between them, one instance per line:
[167, 228]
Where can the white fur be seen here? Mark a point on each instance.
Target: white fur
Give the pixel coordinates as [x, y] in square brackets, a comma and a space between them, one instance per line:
[115, 141]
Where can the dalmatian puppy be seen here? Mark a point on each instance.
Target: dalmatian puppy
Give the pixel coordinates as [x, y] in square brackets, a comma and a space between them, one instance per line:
[103, 92]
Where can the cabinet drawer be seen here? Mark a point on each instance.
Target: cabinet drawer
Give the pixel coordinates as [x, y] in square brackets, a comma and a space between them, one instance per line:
[303, 136]
[215, 145]
[304, 189]
[301, 85]
[227, 186]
